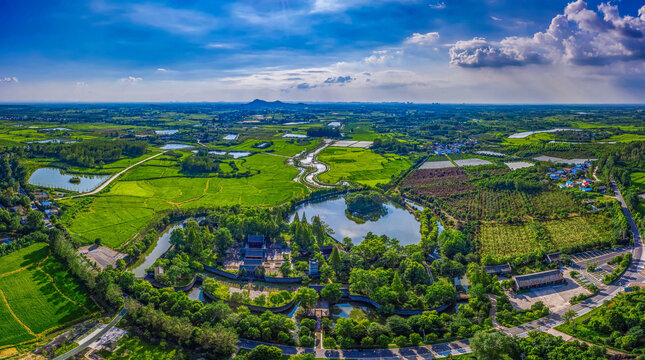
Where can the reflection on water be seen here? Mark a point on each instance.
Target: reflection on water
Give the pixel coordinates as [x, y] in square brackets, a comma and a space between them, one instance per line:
[175, 146]
[162, 245]
[349, 311]
[55, 178]
[398, 223]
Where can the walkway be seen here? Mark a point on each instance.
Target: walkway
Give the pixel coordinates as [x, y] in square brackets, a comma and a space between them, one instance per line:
[547, 323]
[75, 351]
[102, 186]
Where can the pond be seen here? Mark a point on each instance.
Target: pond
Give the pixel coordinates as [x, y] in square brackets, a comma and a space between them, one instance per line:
[175, 146]
[398, 223]
[55, 178]
[349, 310]
[160, 248]
[239, 154]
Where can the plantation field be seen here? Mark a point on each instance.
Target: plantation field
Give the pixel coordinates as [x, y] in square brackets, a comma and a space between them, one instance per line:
[500, 240]
[360, 166]
[497, 205]
[579, 230]
[118, 214]
[443, 190]
[506, 240]
[37, 295]
[425, 177]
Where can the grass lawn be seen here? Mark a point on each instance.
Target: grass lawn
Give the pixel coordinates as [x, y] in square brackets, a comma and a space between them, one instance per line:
[37, 299]
[506, 240]
[360, 166]
[627, 138]
[134, 348]
[118, 214]
[638, 180]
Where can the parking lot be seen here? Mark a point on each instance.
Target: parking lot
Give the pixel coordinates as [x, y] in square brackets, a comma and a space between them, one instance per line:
[554, 297]
[594, 254]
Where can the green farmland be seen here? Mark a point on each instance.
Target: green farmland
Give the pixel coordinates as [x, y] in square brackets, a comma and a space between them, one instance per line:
[360, 166]
[148, 189]
[37, 296]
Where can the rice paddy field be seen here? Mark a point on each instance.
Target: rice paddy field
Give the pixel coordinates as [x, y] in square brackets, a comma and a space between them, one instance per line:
[501, 240]
[116, 215]
[360, 166]
[37, 296]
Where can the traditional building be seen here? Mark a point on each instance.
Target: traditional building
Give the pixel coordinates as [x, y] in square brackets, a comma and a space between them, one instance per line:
[498, 269]
[254, 253]
[539, 279]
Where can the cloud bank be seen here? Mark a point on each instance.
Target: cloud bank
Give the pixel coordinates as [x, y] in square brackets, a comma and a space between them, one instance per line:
[579, 36]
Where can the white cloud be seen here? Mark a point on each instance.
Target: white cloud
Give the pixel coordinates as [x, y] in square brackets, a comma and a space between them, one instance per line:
[9, 79]
[169, 19]
[438, 6]
[162, 70]
[422, 39]
[218, 46]
[579, 36]
[495, 18]
[81, 84]
[131, 79]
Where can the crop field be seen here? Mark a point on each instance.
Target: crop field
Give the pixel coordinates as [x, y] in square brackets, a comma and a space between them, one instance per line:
[37, 295]
[425, 177]
[360, 166]
[506, 240]
[130, 203]
[282, 147]
[443, 190]
[638, 180]
[579, 230]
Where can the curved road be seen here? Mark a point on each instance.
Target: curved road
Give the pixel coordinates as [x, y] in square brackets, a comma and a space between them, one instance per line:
[106, 183]
[75, 351]
[632, 275]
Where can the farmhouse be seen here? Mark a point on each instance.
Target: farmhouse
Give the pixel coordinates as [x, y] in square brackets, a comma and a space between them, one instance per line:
[498, 269]
[544, 278]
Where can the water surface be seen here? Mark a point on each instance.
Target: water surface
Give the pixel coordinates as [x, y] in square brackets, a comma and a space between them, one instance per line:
[175, 146]
[162, 245]
[55, 178]
[166, 132]
[398, 223]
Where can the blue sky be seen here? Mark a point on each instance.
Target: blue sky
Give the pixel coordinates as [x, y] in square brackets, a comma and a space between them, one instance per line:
[497, 51]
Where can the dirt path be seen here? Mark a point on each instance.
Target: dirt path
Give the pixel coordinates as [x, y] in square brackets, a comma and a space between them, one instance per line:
[102, 186]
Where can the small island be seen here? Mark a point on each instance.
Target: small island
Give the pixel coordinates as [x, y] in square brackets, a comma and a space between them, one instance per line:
[363, 206]
[75, 180]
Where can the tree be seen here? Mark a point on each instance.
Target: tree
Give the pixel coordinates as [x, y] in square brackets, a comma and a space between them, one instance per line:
[331, 293]
[568, 316]
[223, 242]
[401, 341]
[307, 297]
[97, 241]
[264, 352]
[494, 346]
[334, 258]
[197, 246]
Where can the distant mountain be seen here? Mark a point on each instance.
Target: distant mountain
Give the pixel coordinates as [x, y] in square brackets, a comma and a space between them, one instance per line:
[261, 104]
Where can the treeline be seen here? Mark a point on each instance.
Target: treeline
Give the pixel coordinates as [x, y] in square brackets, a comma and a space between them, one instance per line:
[199, 164]
[91, 153]
[382, 146]
[324, 131]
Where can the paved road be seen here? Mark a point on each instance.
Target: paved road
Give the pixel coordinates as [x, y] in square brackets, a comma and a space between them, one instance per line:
[632, 275]
[75, 351]
[102, 186]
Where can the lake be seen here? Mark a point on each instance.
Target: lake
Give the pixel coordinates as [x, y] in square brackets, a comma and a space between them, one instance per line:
[525, 134]
[55, 178]
[398, 223]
